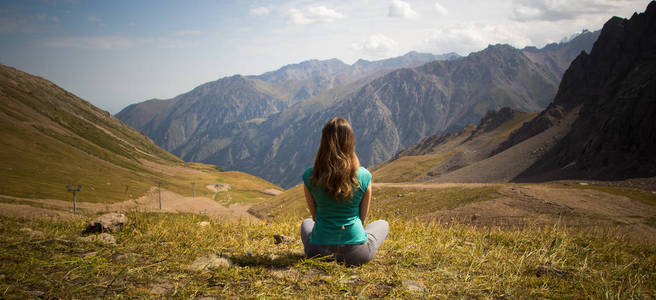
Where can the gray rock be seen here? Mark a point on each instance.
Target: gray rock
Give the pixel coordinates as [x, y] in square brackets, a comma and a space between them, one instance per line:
[110, 222]
[414, 286]
[283, 239]
[103, 238]
[210, 261]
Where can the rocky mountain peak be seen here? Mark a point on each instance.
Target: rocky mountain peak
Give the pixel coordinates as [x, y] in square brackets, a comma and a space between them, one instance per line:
[615, 85]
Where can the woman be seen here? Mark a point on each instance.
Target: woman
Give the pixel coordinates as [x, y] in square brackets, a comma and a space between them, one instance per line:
[338, 193]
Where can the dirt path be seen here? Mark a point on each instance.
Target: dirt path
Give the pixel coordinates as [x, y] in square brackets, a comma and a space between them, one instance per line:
[544, 204]
[171, 202]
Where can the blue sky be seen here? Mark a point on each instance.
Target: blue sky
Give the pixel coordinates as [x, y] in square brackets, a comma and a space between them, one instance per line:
[115, 53]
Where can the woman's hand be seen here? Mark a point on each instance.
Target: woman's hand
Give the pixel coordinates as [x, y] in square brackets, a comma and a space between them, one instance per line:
[312, 206]
[364, 204]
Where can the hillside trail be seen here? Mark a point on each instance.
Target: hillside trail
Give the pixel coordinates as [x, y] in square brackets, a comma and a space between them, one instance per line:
[549, 204]
[171, 203]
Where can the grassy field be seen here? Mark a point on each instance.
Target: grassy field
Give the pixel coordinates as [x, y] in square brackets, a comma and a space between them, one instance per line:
[387, 202]
[154, 252]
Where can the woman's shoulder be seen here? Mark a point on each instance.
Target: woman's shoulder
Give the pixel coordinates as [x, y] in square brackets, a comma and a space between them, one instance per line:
[363, 175]
[307, 174]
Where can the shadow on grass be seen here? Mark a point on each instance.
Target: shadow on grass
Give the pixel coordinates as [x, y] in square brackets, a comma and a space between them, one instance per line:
[273, 261]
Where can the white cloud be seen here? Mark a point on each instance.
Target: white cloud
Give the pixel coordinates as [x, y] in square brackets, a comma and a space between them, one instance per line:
[186, 32]
[259, 11]
[557, 10]
[465, 38]
[439, 9]
[315, 14]
[401, 9]
[377, 45]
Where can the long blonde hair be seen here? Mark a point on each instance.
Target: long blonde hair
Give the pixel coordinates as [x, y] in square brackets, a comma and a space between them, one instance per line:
[336, 163]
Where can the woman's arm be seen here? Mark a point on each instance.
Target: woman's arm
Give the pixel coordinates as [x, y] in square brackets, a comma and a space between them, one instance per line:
[312, 206]
[364, 204]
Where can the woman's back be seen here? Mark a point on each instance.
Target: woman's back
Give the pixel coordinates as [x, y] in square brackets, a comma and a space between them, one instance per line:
[338, 222]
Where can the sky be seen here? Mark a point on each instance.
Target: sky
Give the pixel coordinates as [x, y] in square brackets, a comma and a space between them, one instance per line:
[116, 53]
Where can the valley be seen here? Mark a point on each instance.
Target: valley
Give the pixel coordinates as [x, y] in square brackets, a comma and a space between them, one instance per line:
[498, 179]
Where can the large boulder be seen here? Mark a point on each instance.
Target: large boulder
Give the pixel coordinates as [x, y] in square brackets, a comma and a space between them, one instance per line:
[110, 222]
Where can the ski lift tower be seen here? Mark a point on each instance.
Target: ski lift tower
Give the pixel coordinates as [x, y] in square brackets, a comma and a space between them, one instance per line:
[74, 189]
[159, 189]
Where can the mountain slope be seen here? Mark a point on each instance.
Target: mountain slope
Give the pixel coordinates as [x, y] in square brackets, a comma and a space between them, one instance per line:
[394, 111]
[389, 109]
[443, 153]
[614, 136]
[599, 126]
[49, 138]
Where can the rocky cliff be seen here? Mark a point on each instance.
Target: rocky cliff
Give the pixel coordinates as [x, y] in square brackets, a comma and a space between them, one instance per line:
[614, 136]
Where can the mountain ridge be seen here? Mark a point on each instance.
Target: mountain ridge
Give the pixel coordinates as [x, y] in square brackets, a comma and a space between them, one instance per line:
[599, 126]
[438, 96]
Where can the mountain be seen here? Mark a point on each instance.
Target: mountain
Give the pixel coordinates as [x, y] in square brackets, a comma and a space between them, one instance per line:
[443, 153]
[49, 138]
[600, 124]
[389, 109]
[213, 105]
[614, 136]
[392, 112]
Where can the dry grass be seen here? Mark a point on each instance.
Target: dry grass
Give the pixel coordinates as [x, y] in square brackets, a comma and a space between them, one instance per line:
[452, 261]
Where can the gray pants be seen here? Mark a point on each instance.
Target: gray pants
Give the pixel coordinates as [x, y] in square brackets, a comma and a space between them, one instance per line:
[356, 254]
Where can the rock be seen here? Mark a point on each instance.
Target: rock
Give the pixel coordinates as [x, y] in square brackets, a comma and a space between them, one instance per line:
[210, 261]
[161, 288]
[583, 183]
[110, 222]
[414, 286]
[283, 239]
[103, 238]
[31, 233]
[203, 224]
[288, 274]
[272, 192]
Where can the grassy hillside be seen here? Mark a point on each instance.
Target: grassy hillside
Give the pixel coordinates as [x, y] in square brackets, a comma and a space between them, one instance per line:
[49, 138]
[154, 253]
[443, 153]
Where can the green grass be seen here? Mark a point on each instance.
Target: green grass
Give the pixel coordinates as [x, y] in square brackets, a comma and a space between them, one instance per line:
[391, 202]
[647, 197]
[409, 168]
[452, 261]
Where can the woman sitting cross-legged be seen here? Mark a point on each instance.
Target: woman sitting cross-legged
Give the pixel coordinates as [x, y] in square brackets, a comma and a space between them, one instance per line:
[338, 194]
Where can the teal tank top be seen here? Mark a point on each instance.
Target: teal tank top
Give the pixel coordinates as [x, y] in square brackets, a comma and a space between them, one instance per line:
[332, 214]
